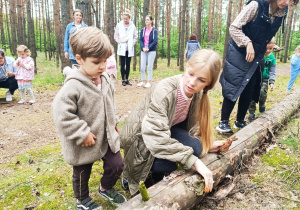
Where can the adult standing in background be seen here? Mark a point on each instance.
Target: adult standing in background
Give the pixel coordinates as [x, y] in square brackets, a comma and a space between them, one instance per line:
[191, 47]
[70, 30]
[250, 32]
[126, 36]
[7, 75]
[148, 43]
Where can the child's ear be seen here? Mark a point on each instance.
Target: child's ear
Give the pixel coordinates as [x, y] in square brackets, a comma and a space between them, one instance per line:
[78, 59]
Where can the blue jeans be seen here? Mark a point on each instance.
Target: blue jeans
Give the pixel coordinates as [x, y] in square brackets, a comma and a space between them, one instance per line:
[180, 133]
[149, 58]
[73, 61]
[294, 75]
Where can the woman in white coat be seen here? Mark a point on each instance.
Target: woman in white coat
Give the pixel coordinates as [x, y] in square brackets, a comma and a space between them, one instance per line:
[126, 36]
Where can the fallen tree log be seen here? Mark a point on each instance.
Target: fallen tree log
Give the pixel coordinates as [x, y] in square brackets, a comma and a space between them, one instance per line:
[179, 189]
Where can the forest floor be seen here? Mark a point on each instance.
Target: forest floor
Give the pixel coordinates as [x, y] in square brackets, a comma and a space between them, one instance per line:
[25, 129]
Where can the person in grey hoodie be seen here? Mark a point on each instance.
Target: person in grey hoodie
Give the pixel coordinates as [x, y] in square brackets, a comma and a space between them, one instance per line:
[84, 114]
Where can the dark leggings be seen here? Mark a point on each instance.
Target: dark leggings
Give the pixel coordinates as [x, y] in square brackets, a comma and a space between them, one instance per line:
[125, 60]
[113, 168]
[180, 133]
[244, 100]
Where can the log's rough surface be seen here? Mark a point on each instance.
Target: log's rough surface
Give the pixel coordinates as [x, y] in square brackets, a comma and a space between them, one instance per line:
[175, 193]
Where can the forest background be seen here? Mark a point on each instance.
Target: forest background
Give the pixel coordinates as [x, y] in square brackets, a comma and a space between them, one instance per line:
[41, 25]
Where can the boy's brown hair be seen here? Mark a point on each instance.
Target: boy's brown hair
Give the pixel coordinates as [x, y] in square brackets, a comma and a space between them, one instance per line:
[91, 42]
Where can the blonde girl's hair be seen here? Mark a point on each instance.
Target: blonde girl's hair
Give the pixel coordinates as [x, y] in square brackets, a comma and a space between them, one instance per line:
[206, 60]
[90, 42]
[23, 48]
[297, 50]
[128, 13]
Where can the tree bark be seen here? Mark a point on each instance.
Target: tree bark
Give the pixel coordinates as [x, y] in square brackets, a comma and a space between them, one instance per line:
[20, 27]
[145, 11]
[50, 48]
[187, 21]
[135, 23]
[198, 20]
[7, 26]
[179, 26]
[70, 6]
[156, 20]
[179, 192]
[57, 28]
[162, 30]
[31, 34]
[85, 7]
[210, 22]
[288, 32]
[13, 24]
[2, 28]
[65, 17]
[169, 11]
[109, 29]
[227, 36]
[182, 33]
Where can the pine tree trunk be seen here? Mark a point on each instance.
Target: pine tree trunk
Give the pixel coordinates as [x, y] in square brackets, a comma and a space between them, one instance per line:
[162, 30]
[109, 11]
[169, 10]
[198, 20]
[85, 7]
[44, 29]
[2, 28]
[187, 18]
[240, 6]
[179, 26]
[227, 36]
[21, 34]
[288, 32]
[145, 11]
[156, 20]
[31, 34]
[13, 24]
[57, 28]
[70, 4]
[135, 23]
[65, 17]
[8, 28]
[210, 23]
[48, 30]
[182, 33]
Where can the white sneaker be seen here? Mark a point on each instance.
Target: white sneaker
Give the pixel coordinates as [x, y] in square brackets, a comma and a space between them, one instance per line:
[141, 84]
[8, 96]
[31, 101]
[21, 101]
[147, 85]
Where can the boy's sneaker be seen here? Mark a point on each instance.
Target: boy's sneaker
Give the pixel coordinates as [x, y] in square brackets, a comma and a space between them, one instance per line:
[8, 96]
[113, 196]
[251, 117]
[125, 184]
[224, 127]
[148, 85]
[239, 124]
[141, 84]
[123, 83]
[87, 204]
[262, 109]
[128, 83]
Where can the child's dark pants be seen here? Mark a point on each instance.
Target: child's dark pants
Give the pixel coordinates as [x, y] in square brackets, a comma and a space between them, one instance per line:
[113, 168]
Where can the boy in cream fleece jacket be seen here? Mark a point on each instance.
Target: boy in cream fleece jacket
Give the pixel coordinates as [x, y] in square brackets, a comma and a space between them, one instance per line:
[84, 114]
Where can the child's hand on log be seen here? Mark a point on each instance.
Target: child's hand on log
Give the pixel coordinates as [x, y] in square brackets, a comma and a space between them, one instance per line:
[216, 146]
[227, 144]
[206, 173]
[89, 141]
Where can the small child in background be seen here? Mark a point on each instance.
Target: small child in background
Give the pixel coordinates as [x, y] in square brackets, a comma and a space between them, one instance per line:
[85, 117]
[111, 65]
[268, 77]
[24, 66]
[295, 68]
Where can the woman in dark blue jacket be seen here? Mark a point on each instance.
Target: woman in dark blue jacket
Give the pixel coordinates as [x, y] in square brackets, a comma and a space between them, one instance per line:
[250, 33]
[148, 42]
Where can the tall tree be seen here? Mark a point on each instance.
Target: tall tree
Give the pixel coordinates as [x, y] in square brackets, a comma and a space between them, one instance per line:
[13, 23]
[7, 26]
[145, 10]
[210, 22]
[31, 34]
[227, 36]
[20, 26]
[57, 28]
[65, 17]
[109, 29]
[2, 28]
[85, 7]
[198, 20]
[187, 24]
[156, 20]
[182, 33]
[169, 12]
[288, 32]
[135, 23]
[179, 26]
[162, 30]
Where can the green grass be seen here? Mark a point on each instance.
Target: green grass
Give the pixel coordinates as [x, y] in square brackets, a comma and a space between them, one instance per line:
[47, 181]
